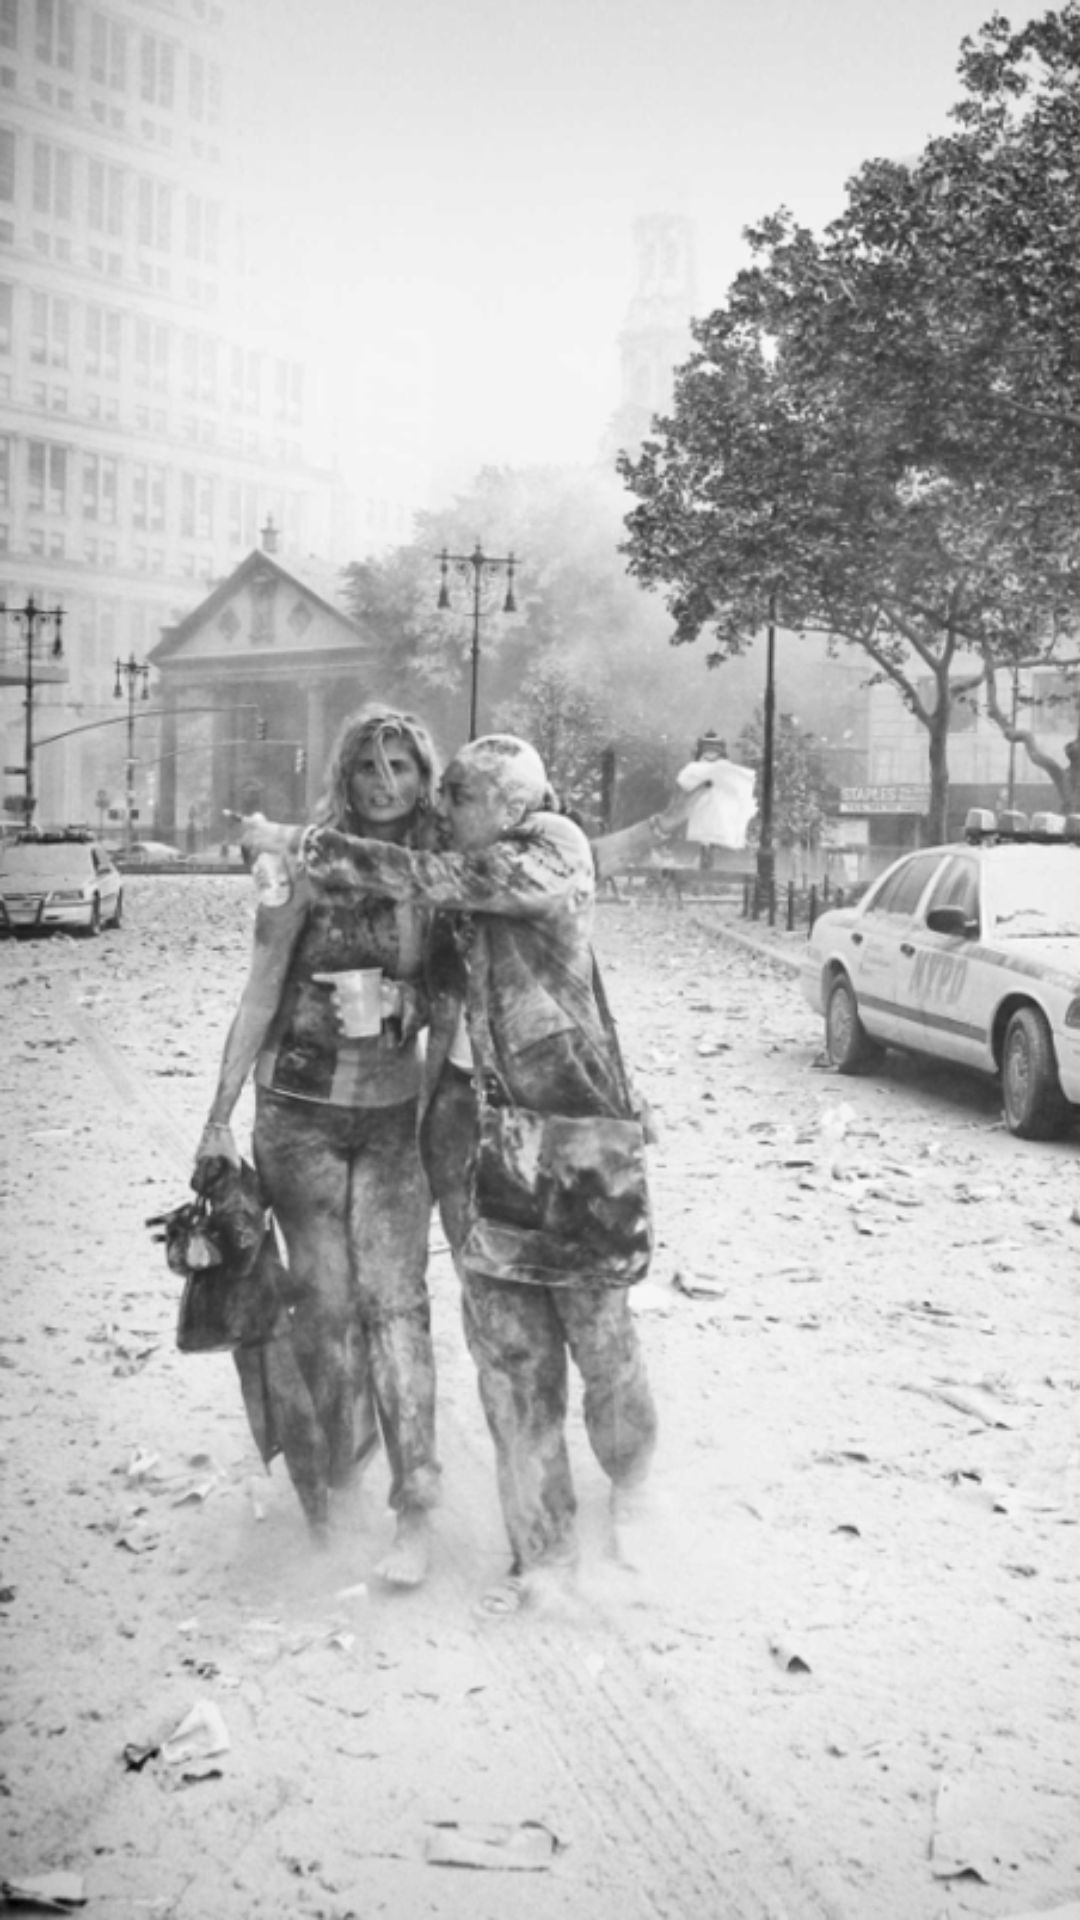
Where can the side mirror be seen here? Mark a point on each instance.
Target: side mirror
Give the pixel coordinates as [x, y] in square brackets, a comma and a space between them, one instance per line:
[952, 920]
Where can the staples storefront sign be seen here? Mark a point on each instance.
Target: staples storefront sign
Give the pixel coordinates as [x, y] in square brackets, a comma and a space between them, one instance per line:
[903, 799]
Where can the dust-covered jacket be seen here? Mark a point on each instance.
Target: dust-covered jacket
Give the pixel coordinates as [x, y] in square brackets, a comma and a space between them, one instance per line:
[512, 942]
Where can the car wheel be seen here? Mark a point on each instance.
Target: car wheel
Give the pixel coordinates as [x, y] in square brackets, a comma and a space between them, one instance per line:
[847, 1042]
[1035, 1107]
[94, 925]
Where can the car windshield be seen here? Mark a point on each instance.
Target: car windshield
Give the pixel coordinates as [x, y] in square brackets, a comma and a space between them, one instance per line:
[35, 860]
[1033, 893]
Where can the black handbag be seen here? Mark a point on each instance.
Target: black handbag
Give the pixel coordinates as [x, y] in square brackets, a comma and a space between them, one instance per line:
[554, 1199]
[223, 1245]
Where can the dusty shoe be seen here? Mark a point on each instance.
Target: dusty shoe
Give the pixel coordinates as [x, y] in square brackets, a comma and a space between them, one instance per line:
[408, 1560]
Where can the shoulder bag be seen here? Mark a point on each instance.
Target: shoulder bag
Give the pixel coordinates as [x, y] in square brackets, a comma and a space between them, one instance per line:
[555, 1200]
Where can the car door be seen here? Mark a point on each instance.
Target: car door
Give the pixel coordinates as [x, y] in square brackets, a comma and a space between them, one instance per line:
[945, 971]
[883, 951]
[108, 882]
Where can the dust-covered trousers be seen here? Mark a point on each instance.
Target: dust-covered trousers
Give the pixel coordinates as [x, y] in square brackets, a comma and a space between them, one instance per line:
[350, 1196]
[519, 1336]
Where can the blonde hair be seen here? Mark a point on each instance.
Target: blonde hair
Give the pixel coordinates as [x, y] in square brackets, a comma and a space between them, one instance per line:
[376, 726]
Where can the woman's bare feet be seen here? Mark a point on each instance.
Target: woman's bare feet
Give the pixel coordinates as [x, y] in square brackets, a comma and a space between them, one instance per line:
[408, 1560]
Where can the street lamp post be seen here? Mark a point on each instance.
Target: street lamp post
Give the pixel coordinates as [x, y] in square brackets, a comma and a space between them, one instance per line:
[31, 618]
[766, 854]
[132, 671]
[482, 566]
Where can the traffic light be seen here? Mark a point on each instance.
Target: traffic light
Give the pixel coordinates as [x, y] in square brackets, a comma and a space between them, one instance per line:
[262, 728]
[300, 762]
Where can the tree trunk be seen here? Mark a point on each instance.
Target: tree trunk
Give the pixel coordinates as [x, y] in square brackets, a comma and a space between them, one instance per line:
[939, 771]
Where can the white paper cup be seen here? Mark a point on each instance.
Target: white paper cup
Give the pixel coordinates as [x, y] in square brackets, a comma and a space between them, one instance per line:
[357, 1000]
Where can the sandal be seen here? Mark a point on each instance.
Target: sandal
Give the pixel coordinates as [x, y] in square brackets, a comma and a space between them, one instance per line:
[505, 1598]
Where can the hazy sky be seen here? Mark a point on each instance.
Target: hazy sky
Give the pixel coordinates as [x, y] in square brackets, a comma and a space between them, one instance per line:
[486, 159]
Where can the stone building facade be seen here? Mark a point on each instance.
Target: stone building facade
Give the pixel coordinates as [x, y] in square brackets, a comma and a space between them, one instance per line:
[253, 685]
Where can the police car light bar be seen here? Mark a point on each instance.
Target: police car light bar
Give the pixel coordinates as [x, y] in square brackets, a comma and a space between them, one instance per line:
[979, 820]
[981, 823]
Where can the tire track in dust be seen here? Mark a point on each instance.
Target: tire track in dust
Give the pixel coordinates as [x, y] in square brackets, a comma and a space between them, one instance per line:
[694, 1844]
[683, 1830]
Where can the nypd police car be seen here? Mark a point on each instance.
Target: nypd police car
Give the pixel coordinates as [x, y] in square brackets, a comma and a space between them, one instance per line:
[970, 953]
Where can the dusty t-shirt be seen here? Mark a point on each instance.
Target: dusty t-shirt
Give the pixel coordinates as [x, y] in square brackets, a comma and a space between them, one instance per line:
[306, 1056]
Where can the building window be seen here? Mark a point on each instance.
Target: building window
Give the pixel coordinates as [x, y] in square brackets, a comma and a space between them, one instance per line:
[9, 23]
[157, 70]
[103, 340]
[151, 354]
[7, 309]
[50, 330]
[108, 52]
[194, 227]
[55, 32]
[196, 506]
[7, 164]
[155, 214]
[52, 180]
[99, 488]
[196, 86]
[5, 471]
[47, 476]
[148, 497]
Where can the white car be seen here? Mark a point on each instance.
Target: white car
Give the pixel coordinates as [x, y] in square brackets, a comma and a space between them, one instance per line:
[147, 853]
[58, 880]
[970, 953]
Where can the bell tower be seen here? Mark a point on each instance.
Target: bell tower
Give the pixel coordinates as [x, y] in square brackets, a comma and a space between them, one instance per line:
[656, 334]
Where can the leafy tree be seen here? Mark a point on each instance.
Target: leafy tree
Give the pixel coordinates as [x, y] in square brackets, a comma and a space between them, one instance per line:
[803, 795]
[566, 724]
[846, 453]
[584, 660]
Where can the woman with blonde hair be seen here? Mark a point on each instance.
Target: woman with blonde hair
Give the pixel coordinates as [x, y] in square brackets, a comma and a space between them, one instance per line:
[335, 1139]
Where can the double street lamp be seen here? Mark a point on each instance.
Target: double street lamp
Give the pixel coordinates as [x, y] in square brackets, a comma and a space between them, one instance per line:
[31, 619]
[482, 567]
[133, 671]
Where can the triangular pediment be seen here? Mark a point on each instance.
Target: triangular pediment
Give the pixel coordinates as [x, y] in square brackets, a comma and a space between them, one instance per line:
[262, 612]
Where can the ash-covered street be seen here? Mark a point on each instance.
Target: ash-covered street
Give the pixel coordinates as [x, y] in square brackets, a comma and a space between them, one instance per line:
[847, 1682]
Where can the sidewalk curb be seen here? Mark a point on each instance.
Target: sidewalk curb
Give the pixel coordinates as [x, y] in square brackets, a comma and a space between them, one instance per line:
[786, 962]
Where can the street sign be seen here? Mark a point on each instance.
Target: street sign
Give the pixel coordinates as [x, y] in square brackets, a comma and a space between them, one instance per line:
[909, 798]
[21, 771]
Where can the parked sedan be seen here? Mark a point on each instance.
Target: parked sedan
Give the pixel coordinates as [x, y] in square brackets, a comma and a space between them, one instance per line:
[58, 880]
[970, 953]
[150, 853]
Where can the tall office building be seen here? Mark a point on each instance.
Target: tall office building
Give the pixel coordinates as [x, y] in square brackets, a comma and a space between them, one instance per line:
[157, 402]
